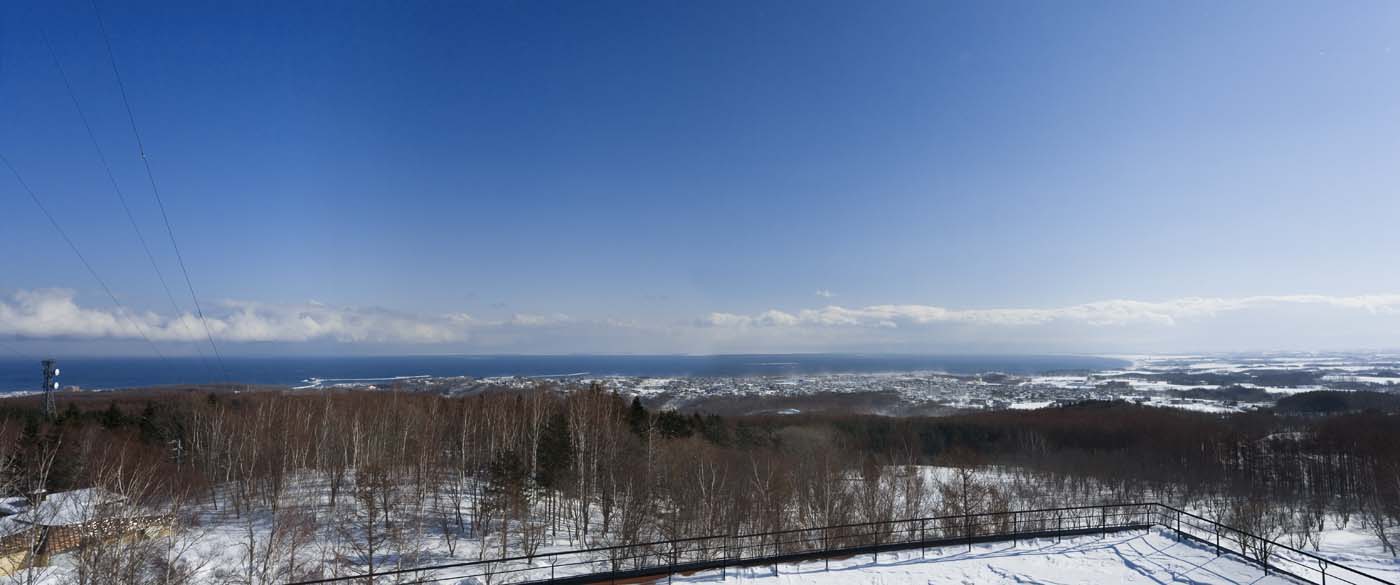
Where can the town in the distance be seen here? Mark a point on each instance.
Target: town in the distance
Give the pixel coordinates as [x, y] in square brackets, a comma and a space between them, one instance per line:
[1223, 383]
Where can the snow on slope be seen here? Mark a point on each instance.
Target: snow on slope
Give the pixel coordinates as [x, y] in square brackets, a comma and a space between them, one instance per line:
[1130, 557]
[1358, 548]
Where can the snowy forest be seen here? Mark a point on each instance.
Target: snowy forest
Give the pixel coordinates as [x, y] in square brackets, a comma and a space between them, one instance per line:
[271, 487]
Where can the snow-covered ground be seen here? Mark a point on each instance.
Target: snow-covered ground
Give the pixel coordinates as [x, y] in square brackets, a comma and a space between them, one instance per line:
[1358, 548]
[1130, 557]
[218, 544]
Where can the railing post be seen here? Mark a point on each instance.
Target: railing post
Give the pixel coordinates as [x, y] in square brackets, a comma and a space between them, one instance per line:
[675, 558]
[723, 560]
[876, 539]
[923, 538]
[775, 555]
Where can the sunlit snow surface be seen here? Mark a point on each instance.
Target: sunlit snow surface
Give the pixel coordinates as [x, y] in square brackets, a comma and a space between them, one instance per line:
[1130, 557]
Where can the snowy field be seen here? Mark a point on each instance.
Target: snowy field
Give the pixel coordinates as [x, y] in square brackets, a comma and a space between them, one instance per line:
[1129, 557]
[1358, 548]
[218, 545]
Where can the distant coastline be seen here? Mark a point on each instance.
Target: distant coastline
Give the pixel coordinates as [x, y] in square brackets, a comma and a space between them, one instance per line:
[112, 373]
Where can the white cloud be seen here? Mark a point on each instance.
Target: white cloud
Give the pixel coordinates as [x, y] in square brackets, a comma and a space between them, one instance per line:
[1306, 321]
[533, 320]
[826, 294]
[50, 313]
[1101, 313]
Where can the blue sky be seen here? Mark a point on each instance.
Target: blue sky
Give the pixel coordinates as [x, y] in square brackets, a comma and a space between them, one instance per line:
[683, 177]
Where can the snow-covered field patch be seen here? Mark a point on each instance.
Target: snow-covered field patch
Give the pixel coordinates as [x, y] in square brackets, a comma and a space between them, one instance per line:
[1130, 557]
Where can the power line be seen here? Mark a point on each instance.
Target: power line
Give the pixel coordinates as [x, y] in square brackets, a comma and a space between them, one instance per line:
[131, 218]
[131, 117]
[121, 309]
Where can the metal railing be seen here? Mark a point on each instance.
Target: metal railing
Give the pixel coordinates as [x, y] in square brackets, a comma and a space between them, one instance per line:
[1267, 553]
[720, 553]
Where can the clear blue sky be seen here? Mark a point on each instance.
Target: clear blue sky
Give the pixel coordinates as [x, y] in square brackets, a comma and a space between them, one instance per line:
[659, 176]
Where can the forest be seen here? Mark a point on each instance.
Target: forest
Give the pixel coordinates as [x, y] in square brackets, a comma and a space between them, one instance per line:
[301, 485]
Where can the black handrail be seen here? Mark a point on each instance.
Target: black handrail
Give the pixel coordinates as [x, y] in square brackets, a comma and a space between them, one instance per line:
[1265, 560]
[967, 529]
[750, 535]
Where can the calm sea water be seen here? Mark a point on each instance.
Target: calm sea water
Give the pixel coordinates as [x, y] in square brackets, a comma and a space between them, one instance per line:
[130, 372]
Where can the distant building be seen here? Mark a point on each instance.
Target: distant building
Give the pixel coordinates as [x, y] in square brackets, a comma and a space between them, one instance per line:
[66, 521]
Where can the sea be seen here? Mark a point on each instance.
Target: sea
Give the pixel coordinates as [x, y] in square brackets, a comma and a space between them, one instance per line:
[104, 373]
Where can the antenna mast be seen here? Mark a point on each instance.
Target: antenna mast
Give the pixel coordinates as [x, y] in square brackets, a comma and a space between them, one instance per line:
[50, 372]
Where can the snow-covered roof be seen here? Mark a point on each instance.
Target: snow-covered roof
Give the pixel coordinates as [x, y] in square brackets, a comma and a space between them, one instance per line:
[8, 526]
[13, 505]
[71, 507]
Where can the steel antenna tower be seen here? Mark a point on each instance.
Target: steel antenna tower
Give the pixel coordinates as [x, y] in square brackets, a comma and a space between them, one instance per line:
[50, 372]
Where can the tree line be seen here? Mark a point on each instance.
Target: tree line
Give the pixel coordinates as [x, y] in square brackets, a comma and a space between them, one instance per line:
[331, 483]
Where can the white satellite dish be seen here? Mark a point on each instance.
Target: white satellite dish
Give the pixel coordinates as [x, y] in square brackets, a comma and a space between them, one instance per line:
[55, 371]
[55, 385]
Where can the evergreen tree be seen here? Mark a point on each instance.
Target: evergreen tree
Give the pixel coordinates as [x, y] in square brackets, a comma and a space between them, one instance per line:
[150, 431]
[63, 472]
[556, 456]
[637, 417]
[112, 417]
[673, 425]
[714, 429]
[30, 458]
[70, 414]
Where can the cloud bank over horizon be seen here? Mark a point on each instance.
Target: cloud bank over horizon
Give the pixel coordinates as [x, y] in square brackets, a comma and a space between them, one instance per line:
[1100, 313]
[55, 313]
[1301, 321]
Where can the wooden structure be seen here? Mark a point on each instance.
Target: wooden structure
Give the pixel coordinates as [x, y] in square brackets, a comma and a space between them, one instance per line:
[67, 521]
